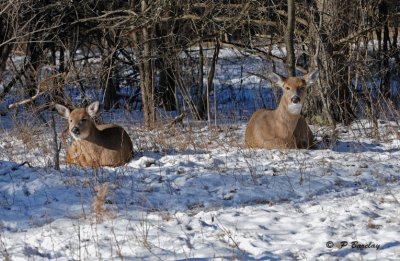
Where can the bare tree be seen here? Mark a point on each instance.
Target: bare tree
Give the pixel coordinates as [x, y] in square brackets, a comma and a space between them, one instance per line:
[332, 25]
[144, 48]
[289, 39]
[170, 40]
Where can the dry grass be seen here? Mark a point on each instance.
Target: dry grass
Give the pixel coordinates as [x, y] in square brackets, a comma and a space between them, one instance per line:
[98, 205]
[372, 225]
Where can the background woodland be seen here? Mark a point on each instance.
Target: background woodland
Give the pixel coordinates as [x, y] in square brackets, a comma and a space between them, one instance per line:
[165, 52]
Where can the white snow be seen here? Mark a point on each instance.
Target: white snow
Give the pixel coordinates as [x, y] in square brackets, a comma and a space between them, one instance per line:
[211, 199]
[198, 193]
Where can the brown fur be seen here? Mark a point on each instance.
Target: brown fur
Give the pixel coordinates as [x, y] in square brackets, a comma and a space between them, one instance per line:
[280, 129]
[104, 145]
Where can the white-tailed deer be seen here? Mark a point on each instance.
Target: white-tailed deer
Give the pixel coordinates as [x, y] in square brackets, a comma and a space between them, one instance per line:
[95, 145]
[283, 128]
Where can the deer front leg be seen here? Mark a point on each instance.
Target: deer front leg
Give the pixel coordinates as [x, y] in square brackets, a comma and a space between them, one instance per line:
[303, 135]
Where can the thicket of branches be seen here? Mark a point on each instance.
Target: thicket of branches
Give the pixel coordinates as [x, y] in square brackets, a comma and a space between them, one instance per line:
[157, 48]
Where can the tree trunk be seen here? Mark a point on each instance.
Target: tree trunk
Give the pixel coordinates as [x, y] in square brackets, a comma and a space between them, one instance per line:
[34, 52]
[57, 92]
[167, 86]
[395, 48]
[333, 25]
[143, 45]
[201, 99]
[5, 49]
[56, 147]
[385, 82]
[109, 80]
[210, 79]
[289, 39]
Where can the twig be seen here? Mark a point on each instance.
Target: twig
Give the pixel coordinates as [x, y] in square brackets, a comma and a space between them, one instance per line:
[20, 165]
[16, 167]
[394, 197]
[40, 86]
[258, 52]
[17, 104]
[56, 147]
[258, 75]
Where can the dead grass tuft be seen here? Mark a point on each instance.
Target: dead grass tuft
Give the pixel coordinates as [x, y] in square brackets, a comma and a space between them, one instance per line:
[372, 225]
[98, 204]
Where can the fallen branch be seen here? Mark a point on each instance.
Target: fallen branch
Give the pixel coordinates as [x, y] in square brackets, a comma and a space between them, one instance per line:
[41, 89]
[20, 165]
[16, 167]
[16, 104]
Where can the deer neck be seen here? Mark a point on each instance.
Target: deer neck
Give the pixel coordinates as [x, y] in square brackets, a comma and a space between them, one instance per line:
[94, 135]
[287, 120]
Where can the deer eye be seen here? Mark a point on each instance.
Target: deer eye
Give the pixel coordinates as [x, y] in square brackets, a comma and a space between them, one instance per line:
[288, 88]
[84, 120]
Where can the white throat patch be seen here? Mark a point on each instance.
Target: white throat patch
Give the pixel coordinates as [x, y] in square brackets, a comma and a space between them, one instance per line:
[80, 136]
[75, 137]
[295, 108]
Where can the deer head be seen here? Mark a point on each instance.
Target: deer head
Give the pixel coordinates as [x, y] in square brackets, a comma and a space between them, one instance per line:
[80, 121]
[294, 90]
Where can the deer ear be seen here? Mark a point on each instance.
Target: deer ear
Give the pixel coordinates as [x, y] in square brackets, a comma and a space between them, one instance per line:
[311, 77]
[276, 79]
[93, 108]
[62, 110]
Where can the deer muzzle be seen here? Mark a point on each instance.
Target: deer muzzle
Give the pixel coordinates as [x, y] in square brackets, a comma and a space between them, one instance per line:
[295, 99]
[75, 130]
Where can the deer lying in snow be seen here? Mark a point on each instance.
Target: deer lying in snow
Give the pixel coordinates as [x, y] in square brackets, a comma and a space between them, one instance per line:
[95, 145]
[283, 128]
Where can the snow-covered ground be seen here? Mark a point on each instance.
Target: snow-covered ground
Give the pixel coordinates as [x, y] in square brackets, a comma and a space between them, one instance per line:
[198, 193]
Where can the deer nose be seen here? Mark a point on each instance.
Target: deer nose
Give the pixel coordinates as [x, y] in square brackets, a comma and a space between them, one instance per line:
[295, 99]
[75, 130]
